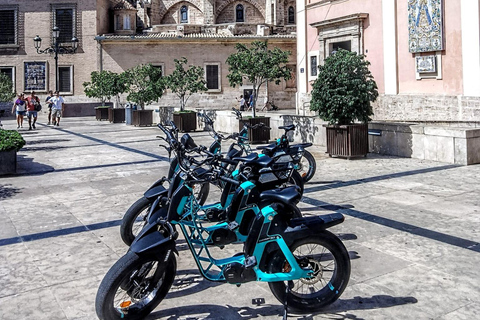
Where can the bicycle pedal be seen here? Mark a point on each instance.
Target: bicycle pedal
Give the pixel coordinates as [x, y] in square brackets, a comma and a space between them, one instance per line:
[258, 301]
[233, 225]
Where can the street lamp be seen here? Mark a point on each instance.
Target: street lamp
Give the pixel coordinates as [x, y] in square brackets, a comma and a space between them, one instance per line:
[56, 49]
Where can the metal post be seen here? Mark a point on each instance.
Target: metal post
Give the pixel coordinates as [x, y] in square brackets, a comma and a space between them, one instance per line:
[56, 65]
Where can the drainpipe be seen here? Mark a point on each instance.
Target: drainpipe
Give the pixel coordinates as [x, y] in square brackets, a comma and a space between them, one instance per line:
[100, 52]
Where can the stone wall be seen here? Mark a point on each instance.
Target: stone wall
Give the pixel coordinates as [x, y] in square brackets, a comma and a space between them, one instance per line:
[426, 108]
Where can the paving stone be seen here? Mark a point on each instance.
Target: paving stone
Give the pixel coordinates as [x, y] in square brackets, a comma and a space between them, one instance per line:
[411, 229]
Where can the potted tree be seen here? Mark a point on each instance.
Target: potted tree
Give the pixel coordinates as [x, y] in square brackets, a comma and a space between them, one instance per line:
[10, 142]
[185, 82]
[342, 95]
[105, 85]
[144, 84]
[258, 65]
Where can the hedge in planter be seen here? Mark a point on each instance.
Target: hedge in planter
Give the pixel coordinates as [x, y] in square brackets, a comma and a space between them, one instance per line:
[10, 142]
[342, 95]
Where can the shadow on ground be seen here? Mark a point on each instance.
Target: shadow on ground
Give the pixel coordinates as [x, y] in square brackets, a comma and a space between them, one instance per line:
[7, 191]
[212, 311]
[26, 166]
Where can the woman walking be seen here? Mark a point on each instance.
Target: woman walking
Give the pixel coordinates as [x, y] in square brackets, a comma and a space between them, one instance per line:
[20, 108]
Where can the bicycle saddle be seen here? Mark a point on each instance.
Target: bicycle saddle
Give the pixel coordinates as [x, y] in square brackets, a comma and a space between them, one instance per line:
[247, 159]
[269, 147]
[288, 128]
[287, 196]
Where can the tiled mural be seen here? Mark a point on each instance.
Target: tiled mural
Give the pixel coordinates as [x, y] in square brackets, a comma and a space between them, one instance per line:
[425, 25]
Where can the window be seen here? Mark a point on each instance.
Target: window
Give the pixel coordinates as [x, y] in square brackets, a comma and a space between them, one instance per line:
[64, 17]
[159, 67]
[8, 25]
[10, 72]
[212, 76]
[184, 14]
[313, 66]
[291, 15]
[126, 22]
[65, 76]
[345, 45]
[239, 13]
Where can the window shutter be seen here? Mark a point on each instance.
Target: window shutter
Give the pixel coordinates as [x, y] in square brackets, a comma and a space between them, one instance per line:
[7, 27]
[64, 78]
[64, 20]
[212, 77]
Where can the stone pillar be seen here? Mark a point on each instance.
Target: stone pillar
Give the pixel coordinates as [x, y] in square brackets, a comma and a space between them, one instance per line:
[470, 47]
[302, 56]
[390, 46]
[209, 11]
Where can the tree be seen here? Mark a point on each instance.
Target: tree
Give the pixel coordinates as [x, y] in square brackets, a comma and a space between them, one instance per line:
[104, 85]
[344, 89]
[258, 65]
[144, 84]
[6, 88]
[185, 82]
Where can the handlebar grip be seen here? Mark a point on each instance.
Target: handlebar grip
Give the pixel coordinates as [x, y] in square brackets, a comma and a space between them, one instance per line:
[232, 181]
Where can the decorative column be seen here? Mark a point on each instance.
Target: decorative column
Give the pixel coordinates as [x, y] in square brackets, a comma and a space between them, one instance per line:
[470, 47]
[390, 46]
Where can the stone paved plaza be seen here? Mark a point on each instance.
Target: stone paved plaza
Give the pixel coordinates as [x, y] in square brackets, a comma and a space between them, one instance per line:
[412, 230]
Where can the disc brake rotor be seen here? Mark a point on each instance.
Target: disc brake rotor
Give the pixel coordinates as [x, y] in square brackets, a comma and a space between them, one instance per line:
[317, 274]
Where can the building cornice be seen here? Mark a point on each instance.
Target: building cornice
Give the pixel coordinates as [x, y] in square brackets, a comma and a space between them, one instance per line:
[340, 20]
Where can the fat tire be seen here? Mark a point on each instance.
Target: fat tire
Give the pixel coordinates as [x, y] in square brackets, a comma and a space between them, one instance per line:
[313, 166]
[128, 220]
[114, 278]
[203, 194]
[298, 180]
[319, 300]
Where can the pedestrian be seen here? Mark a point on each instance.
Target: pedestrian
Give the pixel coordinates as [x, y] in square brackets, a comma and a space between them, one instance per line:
[49, 105]
[32, 102]
[19, 108]
[58, 105]
[242, 103]
[265, 103]
[250, 102]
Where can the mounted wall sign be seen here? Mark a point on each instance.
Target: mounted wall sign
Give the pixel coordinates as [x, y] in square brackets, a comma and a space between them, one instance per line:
[425, 25]
[425, 64]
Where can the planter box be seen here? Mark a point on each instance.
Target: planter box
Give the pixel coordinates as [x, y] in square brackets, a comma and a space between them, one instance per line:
[142, 117]
[185, 121]
[116, 115]
[347, 140]
[259, 135]
[8, 162]
[101, 113]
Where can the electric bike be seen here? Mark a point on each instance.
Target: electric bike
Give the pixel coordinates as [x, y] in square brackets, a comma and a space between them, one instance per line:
[306, 266]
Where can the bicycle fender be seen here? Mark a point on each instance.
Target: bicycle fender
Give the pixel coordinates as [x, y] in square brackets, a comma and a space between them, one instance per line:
[153, 242]
[302, 227]
[154, 192]
[159, 213]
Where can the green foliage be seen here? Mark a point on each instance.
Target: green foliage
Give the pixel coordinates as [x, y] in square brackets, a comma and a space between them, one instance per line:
[104, 85]
[11, 140]
[144, 84]
[6, 88]
[344, 89]
[258, 65]
[185, 82]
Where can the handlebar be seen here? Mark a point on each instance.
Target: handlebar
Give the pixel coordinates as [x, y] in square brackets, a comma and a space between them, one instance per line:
[232, 181]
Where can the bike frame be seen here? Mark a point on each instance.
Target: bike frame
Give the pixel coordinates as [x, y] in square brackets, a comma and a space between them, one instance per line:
[193, 230]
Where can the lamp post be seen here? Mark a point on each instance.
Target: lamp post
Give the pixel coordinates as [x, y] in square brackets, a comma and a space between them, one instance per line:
[56, 49]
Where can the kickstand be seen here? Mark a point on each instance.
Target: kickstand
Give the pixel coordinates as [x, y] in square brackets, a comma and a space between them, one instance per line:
[285, 303]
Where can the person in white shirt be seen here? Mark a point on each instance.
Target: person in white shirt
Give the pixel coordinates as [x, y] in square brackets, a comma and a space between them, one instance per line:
[58, 105]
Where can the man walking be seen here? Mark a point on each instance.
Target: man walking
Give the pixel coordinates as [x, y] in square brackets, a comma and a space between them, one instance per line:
[58, 105]
[49, 104]
[32, 102]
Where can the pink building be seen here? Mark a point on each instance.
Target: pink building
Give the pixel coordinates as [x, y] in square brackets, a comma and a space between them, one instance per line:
[424, 54]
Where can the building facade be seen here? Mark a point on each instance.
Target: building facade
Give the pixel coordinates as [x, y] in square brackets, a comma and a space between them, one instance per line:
[117, 35]
[424, 54]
